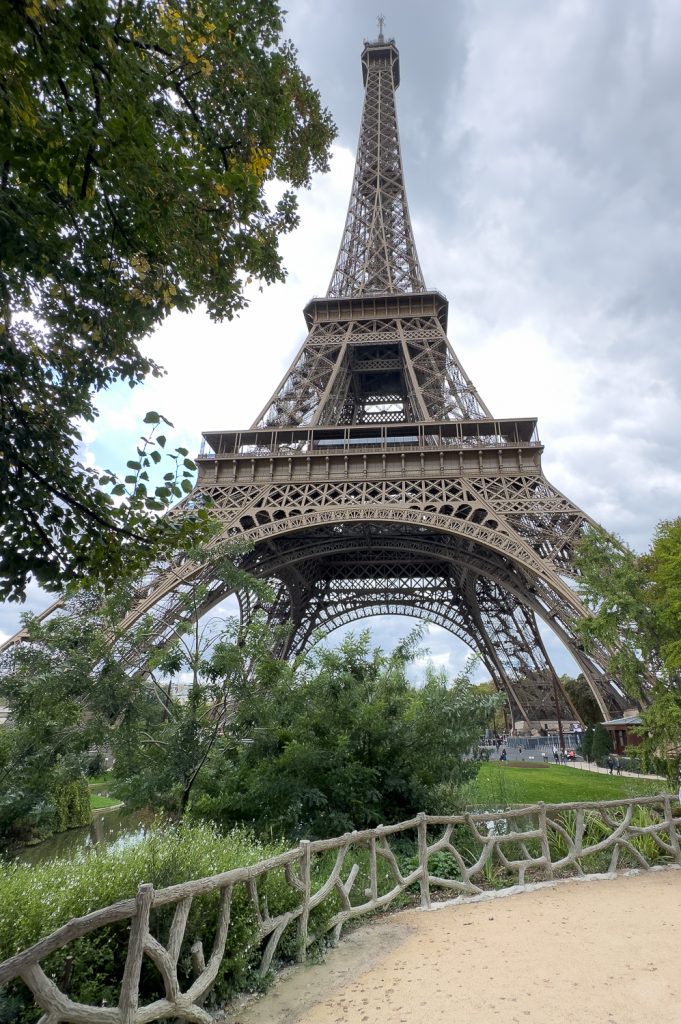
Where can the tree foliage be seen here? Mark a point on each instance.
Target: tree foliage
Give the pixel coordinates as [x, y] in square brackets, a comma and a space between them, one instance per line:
[636, 603]
[660, 734]
[64, 688]
[136, 143]
[169, 729]
[616, 586]
[596, 743]
[601, 744]
[502, 712]
[79, 681]
[664, 568]
[580, 693]
[336, 740]
[342, 741]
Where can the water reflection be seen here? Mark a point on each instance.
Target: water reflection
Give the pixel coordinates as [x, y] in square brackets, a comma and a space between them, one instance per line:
[105, 829]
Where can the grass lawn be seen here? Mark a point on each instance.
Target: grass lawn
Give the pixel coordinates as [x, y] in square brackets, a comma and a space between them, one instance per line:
[499, 785]
[97, 801]
[99, 780]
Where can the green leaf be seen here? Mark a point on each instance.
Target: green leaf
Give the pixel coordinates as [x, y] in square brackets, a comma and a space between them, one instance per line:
[98, 240]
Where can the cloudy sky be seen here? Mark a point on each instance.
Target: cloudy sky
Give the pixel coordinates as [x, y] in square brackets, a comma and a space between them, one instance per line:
[542, 153]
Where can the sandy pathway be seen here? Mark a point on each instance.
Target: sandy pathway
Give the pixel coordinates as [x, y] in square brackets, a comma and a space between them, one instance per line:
[606, 950]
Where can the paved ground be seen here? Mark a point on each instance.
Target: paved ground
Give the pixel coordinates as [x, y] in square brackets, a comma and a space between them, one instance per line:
[533, 755]
[605, 771]
[606, 951]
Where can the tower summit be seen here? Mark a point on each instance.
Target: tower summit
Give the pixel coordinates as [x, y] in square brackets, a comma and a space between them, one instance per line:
[376, 480]
[377, 252]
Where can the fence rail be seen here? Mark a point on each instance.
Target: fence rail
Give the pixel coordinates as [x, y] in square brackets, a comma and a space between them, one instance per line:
[542, 841]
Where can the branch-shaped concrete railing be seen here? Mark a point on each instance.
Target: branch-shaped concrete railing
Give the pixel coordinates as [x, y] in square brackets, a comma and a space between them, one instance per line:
[545, 840]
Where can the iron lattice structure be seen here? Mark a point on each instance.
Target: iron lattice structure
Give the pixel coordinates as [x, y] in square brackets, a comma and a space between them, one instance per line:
[375, 480]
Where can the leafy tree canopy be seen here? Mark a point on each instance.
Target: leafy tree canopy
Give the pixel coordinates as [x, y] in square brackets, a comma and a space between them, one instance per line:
[136, 143]
[616, 586]
[64, 688]
[601, 744]
[80, 681]
[636, 603]
[660, 734]
[342, 741]
[664, 567]
[586, 705]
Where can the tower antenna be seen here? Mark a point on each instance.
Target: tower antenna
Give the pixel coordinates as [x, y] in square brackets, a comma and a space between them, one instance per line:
[381, 23]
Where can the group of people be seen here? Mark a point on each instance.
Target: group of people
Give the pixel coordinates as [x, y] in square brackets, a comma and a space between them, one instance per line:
[561, 756]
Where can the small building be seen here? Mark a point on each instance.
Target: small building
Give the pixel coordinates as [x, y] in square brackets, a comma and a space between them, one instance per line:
[621, 730]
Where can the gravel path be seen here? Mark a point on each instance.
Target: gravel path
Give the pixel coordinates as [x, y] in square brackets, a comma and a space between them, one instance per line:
[608, 949]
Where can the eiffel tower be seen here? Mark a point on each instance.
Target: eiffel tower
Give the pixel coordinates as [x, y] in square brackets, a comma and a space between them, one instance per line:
[377, 481]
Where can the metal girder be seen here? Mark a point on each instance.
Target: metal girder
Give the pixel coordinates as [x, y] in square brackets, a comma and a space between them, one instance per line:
[376, 480]
[483, 599]
[377, 251]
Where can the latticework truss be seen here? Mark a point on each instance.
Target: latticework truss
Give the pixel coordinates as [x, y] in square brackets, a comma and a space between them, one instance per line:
[376, 481]
[377, 252]
[384, 362]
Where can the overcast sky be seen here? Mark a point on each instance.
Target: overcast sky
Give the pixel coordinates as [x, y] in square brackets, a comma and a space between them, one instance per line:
[542, 153]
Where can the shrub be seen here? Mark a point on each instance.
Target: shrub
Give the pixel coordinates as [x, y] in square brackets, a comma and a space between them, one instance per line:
[343, 741]
[28, 815]
[34, 901]
[71, 806]
[601, 743]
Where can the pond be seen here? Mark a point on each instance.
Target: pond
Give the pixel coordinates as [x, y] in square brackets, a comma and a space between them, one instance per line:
[106, 827]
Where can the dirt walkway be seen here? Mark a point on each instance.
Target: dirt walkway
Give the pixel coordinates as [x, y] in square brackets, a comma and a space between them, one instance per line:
[607, 949]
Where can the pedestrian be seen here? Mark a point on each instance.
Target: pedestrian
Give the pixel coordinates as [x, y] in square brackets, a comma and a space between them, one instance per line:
[556, 757]
[611, 764]
[545, 757]
[618, 766]
[502, 756]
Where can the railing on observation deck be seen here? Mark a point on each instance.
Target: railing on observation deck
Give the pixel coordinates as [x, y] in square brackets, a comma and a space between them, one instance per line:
[446, 434]
[540, 841]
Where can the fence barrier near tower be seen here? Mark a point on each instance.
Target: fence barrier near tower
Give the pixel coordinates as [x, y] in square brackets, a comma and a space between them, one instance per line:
[332, 881]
